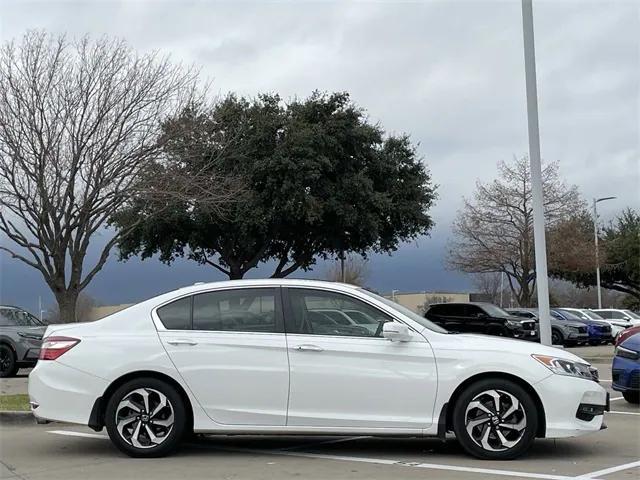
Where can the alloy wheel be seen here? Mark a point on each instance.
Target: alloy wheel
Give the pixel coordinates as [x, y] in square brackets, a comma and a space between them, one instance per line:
[495, 420]
[6, 362]
[144, 418]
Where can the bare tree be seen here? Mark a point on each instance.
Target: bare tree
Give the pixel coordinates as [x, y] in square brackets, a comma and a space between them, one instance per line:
[490, 284]
[494, 231]
[84, 305]
[79, 123]
[356, 271]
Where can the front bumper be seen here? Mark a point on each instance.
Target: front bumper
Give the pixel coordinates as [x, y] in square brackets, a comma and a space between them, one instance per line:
[562, 398]
[625, 373]
[63, 393]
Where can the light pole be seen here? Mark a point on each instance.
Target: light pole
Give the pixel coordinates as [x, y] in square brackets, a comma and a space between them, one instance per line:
[536, 174]
[595, 234]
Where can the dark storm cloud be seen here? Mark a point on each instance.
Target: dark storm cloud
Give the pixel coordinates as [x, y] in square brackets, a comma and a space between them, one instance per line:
[448, 73]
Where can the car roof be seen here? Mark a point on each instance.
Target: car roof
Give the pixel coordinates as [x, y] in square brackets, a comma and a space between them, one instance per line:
[268, 282]
[479, 304]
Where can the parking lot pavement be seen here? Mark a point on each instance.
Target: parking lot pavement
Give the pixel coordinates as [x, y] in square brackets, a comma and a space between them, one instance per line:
[58, 451]
[15, 385]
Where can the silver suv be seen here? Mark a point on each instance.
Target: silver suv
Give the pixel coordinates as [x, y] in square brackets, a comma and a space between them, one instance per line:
[563, 332]
[20, 340]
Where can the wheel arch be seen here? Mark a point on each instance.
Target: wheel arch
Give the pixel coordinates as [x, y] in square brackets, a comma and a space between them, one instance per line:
[448, 408]
[96, 419]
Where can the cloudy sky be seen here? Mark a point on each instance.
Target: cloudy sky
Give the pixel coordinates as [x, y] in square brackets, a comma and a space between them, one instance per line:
[449, 73]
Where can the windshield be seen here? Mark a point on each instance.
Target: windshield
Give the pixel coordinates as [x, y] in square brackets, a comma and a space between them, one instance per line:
[12, 317]
[592, 315]
[572, 315]
[495, 311]
[405, 311]
[631, 314]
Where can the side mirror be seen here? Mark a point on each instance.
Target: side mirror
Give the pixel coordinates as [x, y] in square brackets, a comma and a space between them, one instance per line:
[396, 332]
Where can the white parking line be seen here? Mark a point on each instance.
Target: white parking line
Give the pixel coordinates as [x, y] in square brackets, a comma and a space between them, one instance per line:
[615, 399]
[607, 471]
[624, 413]
[383, 461]
[431, 466]
[70, 433]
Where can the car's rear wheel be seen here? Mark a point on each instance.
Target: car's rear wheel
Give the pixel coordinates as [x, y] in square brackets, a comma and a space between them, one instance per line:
[146, 417]
[556, 337]
[495, 419]
[631, 397]
[8, 361]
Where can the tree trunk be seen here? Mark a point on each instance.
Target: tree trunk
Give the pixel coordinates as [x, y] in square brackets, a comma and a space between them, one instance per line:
[67, 303]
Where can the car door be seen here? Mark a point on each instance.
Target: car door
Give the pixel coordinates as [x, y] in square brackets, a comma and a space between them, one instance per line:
[349, 376]
[452, 317]
[229, 347]
[477, 319]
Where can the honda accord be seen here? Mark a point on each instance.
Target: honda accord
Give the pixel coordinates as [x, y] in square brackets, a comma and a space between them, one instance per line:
[264, 357]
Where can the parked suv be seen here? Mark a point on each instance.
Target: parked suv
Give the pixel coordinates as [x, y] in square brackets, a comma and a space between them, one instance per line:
[20, 340]
[477, 317]
[599, 330]
[626, 317]
[563, 332]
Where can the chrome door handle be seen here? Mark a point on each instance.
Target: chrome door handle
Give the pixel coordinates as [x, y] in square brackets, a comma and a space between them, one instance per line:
[309, 348]
[182, 342]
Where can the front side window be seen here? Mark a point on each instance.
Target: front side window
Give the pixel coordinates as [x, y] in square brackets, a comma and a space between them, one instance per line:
[318, 312]
[242, 310]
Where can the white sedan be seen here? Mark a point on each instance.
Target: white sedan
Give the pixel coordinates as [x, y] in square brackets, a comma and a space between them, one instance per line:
[256, 357]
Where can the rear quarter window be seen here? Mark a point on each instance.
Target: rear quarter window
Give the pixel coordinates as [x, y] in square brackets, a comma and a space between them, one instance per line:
[176, 315]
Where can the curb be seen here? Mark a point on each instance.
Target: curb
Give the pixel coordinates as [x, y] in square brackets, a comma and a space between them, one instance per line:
[12, 417]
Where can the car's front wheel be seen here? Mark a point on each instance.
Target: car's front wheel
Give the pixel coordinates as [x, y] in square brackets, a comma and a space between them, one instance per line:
[8, 364]
[495, 419]
[145, 417]
[631, 397]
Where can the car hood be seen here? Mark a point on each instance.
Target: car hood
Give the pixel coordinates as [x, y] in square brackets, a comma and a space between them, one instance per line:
[633, 342]
[572, 323]
[490, 343]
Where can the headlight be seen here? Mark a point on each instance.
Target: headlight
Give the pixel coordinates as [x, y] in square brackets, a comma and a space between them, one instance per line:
[627, 353]
[573, 329]
[512, 323]
[562, 366]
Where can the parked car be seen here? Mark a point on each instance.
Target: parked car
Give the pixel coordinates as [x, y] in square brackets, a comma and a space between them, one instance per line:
[563, 332]
[246, 357]
[20, 339]
[616, 326]
[479, 317]
[626, 317]
[598, 330]
[625, 370]
[626, 333]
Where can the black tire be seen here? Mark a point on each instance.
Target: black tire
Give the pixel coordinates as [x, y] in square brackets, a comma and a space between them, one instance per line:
[527, 410]
[632, 397]
[8, 361]
[170, 437]
[556, 337]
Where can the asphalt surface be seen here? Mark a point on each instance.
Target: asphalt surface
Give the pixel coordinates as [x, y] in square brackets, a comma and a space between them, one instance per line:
[59, 451]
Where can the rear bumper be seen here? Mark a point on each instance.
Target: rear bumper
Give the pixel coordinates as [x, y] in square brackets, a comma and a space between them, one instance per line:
[564, 399]
[63, 393]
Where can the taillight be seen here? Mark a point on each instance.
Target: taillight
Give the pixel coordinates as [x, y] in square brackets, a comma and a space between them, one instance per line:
[53, 347]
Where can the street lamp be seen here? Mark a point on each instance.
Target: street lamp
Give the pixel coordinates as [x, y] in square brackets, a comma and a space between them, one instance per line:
[595, 233]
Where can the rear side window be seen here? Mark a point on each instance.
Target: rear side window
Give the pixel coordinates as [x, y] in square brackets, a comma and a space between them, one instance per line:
[176, 315]
[242, 310]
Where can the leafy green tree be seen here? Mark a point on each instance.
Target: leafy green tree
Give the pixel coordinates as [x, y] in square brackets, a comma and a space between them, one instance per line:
[317, 180]
[574, 257]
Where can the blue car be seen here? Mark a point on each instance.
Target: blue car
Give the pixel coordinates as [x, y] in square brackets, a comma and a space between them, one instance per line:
[625, 370]
[599, 332]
